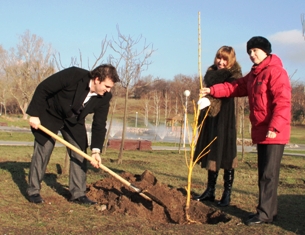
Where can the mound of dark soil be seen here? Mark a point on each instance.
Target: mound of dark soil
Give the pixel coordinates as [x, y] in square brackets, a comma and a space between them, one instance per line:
[167, 206]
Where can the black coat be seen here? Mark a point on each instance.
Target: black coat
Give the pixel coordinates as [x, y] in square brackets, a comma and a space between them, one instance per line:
[57, 101]
[220, 123]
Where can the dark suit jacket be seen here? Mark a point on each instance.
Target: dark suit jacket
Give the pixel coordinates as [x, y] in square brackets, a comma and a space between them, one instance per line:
[57, 101]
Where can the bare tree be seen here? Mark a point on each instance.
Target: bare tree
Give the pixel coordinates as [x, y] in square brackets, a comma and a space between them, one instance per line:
[241, 120]
[4, 93]
[113, 109]
[130, 64]
[166, 106]
[179, 85]
[79, 61]
[27, 67]
[157, 107]
[176, 106]
[146, 100]
[4, 81]
[298, 102]
[143, 86]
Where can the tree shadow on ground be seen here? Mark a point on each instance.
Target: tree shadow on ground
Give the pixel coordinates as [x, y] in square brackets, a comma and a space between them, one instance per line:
[233, 210]
[291, 210]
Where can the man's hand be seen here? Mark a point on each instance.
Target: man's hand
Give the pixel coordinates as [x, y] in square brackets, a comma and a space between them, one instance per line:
[96, 159]
[204, 92]
[34, 122]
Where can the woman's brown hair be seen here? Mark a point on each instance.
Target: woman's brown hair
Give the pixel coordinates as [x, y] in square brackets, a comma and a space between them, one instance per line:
[228, 54]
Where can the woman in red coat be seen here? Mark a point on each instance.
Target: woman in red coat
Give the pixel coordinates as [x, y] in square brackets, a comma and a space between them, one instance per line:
[268, 88]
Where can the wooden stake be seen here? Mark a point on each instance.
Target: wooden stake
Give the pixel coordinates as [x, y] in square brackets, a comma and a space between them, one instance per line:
[199, 51]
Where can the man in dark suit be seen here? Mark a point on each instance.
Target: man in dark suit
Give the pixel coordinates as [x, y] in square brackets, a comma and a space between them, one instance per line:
[60, 103]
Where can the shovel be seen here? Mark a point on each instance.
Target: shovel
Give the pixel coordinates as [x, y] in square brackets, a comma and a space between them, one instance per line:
[145, 194]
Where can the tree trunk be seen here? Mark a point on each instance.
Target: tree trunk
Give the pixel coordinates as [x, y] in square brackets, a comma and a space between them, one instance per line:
[23, 110]
[120, 160]
[237, 112]
[109, 128]
[242, 129]
[180, 140]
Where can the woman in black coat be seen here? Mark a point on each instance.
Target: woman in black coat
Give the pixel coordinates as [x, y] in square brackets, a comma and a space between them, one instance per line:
[219, 123]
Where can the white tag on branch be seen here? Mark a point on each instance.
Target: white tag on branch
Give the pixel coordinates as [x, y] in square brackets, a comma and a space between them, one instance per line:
[203, 102]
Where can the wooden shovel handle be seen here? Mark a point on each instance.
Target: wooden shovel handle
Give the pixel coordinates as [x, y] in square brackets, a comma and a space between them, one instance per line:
[78, 151]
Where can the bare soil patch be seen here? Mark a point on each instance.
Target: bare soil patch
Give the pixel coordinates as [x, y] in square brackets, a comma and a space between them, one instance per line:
[167, 206]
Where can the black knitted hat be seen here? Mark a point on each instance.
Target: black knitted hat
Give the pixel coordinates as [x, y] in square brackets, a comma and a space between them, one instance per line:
[259, 42]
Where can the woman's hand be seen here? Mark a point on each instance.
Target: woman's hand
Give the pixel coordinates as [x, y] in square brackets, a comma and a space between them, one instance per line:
[204, 92]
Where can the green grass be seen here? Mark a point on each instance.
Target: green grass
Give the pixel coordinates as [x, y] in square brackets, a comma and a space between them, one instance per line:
[16, 136]
[295, 151]
[15, 121]
[297, 134]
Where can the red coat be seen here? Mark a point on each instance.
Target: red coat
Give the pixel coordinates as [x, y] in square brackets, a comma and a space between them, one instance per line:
[268, 88]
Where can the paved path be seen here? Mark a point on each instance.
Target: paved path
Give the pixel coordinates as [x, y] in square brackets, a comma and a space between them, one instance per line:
[25, 143]
[247, 149]
[239, 148]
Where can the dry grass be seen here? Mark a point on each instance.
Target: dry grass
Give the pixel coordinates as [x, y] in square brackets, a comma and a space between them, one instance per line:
[58, 216]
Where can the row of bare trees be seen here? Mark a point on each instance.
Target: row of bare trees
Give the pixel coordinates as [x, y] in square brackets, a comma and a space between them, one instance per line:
[24, 67]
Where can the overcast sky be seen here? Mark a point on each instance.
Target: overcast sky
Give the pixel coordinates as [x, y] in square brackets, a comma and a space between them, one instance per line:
[170, 25]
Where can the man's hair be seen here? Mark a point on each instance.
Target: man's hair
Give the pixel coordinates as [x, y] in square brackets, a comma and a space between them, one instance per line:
[105, 71]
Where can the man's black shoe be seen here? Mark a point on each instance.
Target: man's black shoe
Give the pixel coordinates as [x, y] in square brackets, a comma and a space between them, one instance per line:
[84, 200]
[255, 221]
[35, 198]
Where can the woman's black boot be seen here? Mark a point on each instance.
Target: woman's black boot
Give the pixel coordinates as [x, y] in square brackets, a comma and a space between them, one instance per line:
[209, 193]
[228, 178]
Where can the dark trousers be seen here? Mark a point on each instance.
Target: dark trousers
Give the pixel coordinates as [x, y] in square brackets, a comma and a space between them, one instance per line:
[269, 158]
[41, 158]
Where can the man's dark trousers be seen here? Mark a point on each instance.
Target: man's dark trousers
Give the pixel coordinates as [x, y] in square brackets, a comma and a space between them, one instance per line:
[40, 160]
